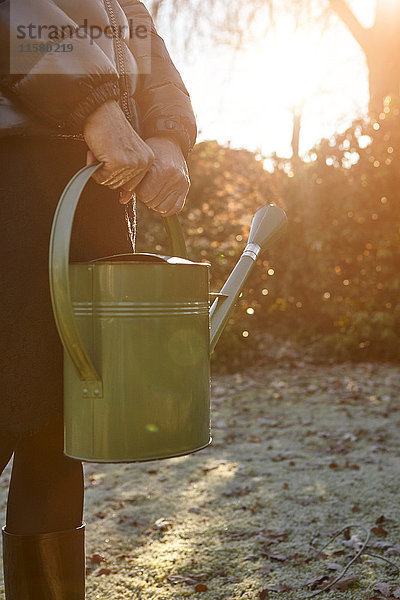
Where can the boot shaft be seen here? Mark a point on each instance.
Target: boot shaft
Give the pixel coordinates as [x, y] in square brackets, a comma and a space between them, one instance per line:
[48, 566]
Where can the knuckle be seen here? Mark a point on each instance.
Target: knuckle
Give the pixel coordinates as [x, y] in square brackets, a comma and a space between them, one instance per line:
[171, 173]
[142, 163]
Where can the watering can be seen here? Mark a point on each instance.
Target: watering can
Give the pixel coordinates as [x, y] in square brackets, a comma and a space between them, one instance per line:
[137, 339]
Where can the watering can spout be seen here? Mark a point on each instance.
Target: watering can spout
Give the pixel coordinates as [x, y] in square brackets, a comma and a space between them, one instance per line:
[267, 225]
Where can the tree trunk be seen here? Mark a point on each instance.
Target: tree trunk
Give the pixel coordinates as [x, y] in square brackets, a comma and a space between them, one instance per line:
[381, 46]
[383, 54]
[296, 135]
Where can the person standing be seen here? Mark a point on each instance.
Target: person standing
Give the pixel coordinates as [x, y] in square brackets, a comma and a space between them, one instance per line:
[114, 97]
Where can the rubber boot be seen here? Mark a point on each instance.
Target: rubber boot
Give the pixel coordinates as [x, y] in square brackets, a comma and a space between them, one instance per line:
[48, 566]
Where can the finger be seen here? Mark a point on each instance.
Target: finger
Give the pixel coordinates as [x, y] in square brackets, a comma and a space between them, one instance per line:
[114, 178]
[154, 201]
[129, 187]
[173, 188]
[177, 208]
[172, 204]
[125, 196]
[149, 189]
[134, 180]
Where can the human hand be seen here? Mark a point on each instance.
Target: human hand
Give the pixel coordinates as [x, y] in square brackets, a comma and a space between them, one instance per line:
[112, 140]
[165, 186]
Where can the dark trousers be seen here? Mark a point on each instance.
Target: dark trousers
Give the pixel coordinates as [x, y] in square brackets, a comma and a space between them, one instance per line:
[46, 490]
[46, 487]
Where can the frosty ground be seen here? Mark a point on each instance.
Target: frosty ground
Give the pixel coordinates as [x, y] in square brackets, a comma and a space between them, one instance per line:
[300, 451]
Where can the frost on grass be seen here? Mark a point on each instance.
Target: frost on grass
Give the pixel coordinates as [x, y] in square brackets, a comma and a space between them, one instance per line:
[298, 453]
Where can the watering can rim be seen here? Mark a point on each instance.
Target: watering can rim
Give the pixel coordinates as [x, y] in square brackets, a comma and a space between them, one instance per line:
[134, 258]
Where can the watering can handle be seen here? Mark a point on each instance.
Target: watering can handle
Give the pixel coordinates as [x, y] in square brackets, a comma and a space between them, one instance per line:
[59, 276]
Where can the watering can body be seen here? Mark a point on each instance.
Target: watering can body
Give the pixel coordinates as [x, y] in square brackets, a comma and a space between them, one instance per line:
[137, 335]
[145, 324]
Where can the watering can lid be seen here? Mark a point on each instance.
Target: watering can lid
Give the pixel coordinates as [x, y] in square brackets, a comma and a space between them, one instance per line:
[145, 257]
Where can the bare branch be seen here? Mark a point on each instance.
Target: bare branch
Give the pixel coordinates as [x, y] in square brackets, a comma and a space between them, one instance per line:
[344, 12]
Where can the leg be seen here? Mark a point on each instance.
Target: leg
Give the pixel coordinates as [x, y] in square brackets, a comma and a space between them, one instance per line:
[43, 542]
[7, 445]
[46, 488]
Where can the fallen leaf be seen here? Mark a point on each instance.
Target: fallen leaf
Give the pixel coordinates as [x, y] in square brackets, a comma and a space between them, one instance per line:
[100, 515]
[232, 536]
[383, 588]
[220, 573]
[104, 571]
[318, 582]
[379, 530]
[392, 551]
[277, 557]
[334, 566]
[263, 595]
[271, 535]
[380, 520]
[354, 467]
[96, 559]
[354, 542]
[195, 510]
[233, 579]
[116, 505]
[346, 582]
[236, 491]
[379, 545]
[127, 557]
[214, 465]
[201, 587]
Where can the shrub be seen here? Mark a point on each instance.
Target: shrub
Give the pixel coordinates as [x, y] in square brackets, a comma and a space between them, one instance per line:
[333, 280]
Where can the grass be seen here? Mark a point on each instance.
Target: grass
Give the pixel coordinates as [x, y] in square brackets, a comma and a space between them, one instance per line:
[300, 450]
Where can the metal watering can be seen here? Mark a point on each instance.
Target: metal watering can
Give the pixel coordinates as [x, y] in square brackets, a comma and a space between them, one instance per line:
[137, 340]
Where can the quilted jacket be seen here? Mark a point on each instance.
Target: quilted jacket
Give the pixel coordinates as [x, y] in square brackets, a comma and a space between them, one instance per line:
[60, 59]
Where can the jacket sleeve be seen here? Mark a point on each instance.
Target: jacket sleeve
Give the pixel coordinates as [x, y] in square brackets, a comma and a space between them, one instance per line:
[61, 88]
[162, 99]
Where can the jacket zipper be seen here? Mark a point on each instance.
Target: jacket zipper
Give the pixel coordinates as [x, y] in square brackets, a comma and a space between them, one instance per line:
[120, 60]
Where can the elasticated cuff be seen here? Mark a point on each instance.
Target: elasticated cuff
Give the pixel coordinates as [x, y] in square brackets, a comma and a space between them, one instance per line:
[102, 93]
